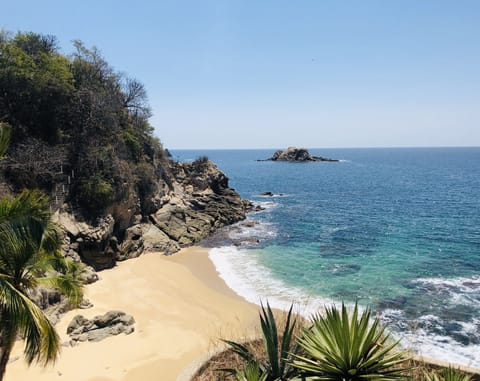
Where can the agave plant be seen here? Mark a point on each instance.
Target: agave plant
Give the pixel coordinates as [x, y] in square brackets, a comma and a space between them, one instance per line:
[279, 351]
[251, 372]
[447, 374]
[340, 346]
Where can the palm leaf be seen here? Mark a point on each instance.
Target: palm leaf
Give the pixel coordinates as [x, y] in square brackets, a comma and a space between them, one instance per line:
[41, 340]
[29, 255]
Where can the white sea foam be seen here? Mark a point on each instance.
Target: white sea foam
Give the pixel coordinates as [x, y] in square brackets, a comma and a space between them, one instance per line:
[465, 291]
[417, 335]
[253, 229]
[442, 347]
[243, 273]
[334, 229]
[273, 195]
[465, 284]
[265, 205]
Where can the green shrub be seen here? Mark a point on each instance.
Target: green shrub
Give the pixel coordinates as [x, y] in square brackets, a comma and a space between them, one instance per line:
[95, 193]
[133, 144]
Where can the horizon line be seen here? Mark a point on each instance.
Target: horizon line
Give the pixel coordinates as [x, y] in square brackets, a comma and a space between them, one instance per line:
[345, 147]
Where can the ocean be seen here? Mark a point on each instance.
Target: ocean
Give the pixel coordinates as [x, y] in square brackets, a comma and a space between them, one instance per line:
[394, 229]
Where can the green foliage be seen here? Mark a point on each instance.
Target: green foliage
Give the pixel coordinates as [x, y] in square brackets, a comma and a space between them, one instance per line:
[35, 81]
[133, 144]
[340, 346]
[96, 193]
[200, 160]
[97, 116]
[30, 255]
[279, 350]
[447, 374]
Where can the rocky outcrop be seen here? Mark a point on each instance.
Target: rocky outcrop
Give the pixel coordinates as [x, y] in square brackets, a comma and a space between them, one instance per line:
[295, 154]
[100, 327]
[197, 202]
[200, 203]
[53, 303]
[94, 244]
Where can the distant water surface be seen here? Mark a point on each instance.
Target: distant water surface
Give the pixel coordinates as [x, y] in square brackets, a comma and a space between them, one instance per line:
[395, 229]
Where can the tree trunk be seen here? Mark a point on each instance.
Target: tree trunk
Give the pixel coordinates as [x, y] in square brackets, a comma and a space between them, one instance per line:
[6, 345]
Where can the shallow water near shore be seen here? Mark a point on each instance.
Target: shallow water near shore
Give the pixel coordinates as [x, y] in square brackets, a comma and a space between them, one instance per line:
[394, 229]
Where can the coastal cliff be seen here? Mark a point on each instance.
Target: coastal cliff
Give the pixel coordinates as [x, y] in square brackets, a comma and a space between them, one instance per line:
[80, 132]
[196, 201]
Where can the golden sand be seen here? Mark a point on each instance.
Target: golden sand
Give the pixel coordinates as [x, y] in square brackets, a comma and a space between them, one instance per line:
[181, 308]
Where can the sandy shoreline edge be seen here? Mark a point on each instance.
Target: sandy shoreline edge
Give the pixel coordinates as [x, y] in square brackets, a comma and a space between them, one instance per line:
[181, 307]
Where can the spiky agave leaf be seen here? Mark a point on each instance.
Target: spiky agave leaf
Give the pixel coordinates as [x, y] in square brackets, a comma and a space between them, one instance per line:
[343, 347]
[251, 372]
[270, 339]
[447, 374]
[278, 352]
[245, 354]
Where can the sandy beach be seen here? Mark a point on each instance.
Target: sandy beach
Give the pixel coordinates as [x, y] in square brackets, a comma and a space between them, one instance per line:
[181, 308]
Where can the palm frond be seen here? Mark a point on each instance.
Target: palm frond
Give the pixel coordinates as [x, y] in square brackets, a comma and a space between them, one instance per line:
[69, 284]
[41, 340]
[30, 254]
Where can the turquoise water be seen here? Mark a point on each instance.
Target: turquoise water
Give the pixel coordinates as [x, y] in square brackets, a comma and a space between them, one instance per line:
[394, 229]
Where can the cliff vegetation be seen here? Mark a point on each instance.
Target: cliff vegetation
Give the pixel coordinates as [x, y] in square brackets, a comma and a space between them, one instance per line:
[81, 133]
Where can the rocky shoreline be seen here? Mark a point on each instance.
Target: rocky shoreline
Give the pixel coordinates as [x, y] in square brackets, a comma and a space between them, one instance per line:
[195, 203]
[199, 203]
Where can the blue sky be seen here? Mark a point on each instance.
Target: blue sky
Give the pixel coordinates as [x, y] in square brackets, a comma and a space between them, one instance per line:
[275, 73]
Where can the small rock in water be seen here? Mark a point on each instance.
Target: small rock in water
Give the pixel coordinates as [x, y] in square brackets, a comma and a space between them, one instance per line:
[393, 303]
[295, 154]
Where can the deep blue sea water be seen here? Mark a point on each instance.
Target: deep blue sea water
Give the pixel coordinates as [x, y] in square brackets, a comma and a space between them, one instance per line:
[394, 229]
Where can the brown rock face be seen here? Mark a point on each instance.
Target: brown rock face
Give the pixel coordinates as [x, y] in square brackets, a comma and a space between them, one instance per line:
[198, 203]
[93, 243]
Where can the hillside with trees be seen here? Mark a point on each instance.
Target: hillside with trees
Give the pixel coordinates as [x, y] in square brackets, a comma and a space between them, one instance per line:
[80, 132]
[76, 123]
